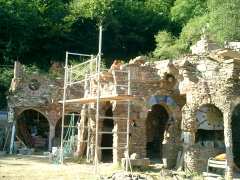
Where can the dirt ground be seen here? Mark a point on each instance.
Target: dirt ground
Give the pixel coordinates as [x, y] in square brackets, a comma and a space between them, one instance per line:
[19, 167]
[36, 167]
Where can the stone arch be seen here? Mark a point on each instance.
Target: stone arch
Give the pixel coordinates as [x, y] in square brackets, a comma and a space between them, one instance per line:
[210, 125]
[210, 113]
[156, 123]
[189, 120]
[172, 130]
[203, 140]
[33, 128]
[19, 112]
[167, 101]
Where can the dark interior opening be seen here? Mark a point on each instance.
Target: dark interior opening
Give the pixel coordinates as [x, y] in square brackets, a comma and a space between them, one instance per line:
[70, 118]
[236, 135]
[156, 124]
[210, 131]
[214, 136]
[107, 139]
[33, 129]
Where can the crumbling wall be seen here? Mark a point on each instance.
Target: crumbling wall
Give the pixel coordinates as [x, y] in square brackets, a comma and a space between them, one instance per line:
[40, 92]
[208, 81]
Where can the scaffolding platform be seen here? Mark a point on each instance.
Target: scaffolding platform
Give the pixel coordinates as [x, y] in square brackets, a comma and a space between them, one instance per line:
[90, 74]
[101, 99]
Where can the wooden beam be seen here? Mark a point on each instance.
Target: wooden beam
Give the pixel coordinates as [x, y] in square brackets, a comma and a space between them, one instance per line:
[102, 98]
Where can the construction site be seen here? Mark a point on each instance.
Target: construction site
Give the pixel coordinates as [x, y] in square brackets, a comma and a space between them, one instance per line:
[179, 114]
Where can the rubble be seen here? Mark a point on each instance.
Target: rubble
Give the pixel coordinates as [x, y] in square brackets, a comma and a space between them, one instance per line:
[126, 176]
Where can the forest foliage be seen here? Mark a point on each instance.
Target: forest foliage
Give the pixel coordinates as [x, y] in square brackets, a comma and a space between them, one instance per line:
[40, 31]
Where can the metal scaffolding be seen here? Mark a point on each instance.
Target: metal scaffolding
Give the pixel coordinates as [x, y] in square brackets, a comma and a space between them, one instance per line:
[91, 71]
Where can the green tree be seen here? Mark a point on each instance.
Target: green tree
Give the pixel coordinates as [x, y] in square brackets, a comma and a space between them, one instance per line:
[224, 22]
[184, 10]
[5, 81]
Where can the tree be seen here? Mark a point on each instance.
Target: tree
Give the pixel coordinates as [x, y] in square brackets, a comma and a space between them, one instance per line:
[184, 10]
[93, 9]
[5, 81]
[224, 22]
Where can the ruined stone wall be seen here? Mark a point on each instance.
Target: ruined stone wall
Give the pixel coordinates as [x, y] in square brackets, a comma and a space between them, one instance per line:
[41, 92]
[207, 82]
[147, 81]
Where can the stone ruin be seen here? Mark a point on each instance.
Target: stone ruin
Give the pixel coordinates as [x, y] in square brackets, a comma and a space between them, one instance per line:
[33, 98]
[184, 111]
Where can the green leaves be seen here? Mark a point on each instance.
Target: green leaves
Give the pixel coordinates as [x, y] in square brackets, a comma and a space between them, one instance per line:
[93, 9]
[5, 81]
[184, 10]
[224, 22]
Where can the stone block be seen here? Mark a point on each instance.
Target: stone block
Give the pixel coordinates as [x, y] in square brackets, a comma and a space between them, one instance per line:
[136, 162]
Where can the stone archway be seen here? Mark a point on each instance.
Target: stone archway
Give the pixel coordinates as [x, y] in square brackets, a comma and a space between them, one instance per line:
[236, 134]
[171, 144]
[33, 129]
[209, 126]
[157, 119]
[203, 136]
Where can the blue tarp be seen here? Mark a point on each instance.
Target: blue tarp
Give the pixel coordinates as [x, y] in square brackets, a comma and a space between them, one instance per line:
[3, 115]
[162, 99]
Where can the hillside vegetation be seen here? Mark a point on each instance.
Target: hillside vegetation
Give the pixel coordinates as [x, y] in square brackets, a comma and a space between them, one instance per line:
[40, 31]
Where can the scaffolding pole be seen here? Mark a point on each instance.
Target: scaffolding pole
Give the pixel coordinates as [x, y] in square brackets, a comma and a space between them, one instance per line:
[93, 73]
[98, 97]
[63, 105]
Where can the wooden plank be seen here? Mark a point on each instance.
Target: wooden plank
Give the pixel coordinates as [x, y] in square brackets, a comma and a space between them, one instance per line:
[102, 98]
[217, 162]
[217, 166]
[206, 174]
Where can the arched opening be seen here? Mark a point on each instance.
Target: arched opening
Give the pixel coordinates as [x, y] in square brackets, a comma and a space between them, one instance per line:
[70, 124]
[236, 135]
[107, 139]
[157, 119]
[210, 128]
[33, 129]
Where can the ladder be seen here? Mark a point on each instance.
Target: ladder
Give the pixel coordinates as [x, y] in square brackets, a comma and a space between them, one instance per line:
[71, 78]
[91, 73]
[69, 138]
[98, 147]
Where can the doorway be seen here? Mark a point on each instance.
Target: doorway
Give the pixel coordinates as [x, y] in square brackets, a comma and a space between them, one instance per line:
[157, 119]
[107, 139]
[33, 129]
[236, 135]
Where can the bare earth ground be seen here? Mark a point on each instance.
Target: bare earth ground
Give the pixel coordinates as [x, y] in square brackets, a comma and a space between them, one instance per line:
[35, 167]
[21, 167]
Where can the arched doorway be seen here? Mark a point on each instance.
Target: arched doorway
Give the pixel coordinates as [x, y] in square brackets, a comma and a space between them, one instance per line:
[210, 127]
[236, 135]
[70, 122]
[33, 129]
[155, 127]
[107, 139]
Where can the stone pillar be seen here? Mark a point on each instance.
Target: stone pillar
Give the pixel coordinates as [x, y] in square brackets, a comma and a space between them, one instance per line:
[228, 143]
[189, 130]
[53, 115]
[51, 135]
[119, 139]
